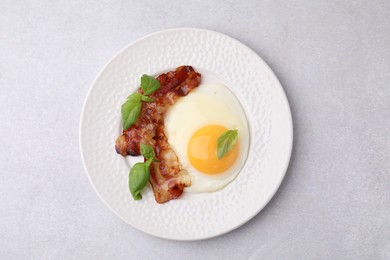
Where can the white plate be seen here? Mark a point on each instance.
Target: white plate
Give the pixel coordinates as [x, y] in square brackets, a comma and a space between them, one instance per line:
[220, 58]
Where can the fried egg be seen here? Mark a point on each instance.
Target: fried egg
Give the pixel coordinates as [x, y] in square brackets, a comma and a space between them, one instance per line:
[193, 126]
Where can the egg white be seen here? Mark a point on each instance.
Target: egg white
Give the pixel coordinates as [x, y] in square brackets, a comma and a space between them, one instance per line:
[209, 104]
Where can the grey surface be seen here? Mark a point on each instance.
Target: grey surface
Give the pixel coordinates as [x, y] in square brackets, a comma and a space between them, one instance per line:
[333, 59]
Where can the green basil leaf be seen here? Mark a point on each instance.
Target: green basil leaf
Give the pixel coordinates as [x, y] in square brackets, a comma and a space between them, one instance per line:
[148, 162]
[149, 84]
[138, 178]
[226, 142]
[131, 110]
[146, 98]
[147, 151]
[135, 96]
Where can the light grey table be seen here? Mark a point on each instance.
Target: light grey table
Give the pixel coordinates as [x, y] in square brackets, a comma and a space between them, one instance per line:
[333, 59]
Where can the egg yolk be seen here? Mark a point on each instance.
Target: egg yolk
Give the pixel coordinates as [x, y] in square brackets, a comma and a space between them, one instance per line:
[202, 150]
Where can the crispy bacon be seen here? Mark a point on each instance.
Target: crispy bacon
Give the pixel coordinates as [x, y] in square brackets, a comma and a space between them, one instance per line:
[167, 178]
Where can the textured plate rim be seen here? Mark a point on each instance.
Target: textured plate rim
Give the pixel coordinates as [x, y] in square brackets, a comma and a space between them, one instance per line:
[289, 146]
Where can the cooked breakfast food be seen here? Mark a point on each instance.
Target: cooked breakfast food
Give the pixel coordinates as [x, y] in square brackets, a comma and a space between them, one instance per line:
[214, 110]
[166, 176]
[186, 141]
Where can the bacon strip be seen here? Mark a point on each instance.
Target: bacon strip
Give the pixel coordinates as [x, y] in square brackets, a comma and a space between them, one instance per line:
[167, 178]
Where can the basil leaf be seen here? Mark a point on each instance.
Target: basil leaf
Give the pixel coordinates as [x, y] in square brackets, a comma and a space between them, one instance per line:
[135, 96]
[149, 84]
[131, 110]
[138, 178]
[147, 151]
[226, 142]
[148, 162]
[146, 98]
